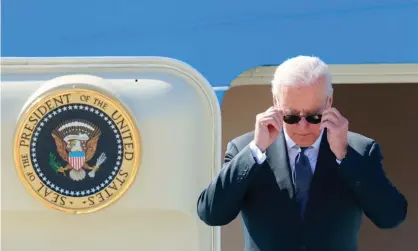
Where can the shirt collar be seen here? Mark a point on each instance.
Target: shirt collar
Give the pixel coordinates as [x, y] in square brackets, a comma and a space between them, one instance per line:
[291, 144]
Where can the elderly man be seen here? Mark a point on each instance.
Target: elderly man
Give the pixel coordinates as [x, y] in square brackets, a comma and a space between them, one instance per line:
[301, 180]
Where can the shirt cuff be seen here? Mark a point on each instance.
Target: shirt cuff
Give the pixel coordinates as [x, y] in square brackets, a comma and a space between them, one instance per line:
[259, 156]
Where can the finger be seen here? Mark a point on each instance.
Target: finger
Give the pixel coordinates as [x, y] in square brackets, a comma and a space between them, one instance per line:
[329, 125]
[273, 113]
[270, 121]
[279, 116]
[330, 117]
[334, 111]
[342, 121]
[271, 108]
[269, 113]
[281, 113]
[276, 115]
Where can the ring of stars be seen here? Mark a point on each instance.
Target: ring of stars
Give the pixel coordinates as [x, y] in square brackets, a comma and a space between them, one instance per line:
[56, 188]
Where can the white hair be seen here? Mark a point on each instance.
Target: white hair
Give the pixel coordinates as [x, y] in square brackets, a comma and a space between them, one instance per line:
[300, 71]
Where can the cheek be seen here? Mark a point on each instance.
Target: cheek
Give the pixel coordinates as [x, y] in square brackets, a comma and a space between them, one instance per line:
[315, 128]
[289, 128]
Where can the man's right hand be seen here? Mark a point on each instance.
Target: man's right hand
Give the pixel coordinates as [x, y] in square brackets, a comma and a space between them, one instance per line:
[267, 127]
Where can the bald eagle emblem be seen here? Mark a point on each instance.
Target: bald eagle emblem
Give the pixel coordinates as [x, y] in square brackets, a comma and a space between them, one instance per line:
[76, 142]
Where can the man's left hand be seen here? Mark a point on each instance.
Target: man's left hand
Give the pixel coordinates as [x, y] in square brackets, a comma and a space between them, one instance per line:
[337, 130]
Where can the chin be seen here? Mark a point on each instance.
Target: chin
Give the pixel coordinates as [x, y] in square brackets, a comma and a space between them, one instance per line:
[304, 139]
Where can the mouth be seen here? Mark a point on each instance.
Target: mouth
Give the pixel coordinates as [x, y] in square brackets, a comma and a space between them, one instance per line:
[302, 134]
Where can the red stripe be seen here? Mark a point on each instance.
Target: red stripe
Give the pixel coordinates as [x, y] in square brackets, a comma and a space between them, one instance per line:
[77, 162]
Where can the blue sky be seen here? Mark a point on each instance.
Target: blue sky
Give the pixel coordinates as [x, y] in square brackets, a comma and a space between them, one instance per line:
[221, 39]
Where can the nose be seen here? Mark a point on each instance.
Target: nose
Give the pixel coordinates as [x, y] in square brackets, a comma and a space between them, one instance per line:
[303, 123]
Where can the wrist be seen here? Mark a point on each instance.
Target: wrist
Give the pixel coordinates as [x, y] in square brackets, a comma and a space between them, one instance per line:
[262, 149]
[258, 155]
[341, 156]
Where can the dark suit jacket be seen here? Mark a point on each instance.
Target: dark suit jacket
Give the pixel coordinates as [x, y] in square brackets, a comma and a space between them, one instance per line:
[339, 195]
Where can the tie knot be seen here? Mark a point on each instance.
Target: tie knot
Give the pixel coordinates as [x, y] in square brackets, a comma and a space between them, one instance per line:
[302, 149]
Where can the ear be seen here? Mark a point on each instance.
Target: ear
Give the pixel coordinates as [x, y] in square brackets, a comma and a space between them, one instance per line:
[275, 100]
[330, 100]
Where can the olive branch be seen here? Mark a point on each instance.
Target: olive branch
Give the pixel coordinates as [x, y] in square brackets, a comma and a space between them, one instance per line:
[54, 163]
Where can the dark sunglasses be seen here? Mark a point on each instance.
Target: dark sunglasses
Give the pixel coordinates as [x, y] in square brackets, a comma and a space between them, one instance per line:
[294, 119]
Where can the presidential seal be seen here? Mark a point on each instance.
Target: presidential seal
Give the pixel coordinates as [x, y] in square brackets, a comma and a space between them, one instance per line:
[77, 150]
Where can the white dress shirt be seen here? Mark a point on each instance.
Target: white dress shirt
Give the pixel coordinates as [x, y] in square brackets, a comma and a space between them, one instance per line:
[293, 150]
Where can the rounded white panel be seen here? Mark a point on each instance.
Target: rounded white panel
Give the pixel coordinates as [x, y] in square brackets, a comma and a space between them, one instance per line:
[178, 118]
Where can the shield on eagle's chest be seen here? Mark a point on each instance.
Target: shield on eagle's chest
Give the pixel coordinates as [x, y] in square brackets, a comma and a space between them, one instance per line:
[77, 159]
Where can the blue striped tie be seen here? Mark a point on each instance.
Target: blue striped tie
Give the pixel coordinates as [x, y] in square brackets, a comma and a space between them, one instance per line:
[303, 177]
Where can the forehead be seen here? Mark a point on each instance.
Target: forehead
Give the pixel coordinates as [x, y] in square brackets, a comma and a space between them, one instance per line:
[303, 98]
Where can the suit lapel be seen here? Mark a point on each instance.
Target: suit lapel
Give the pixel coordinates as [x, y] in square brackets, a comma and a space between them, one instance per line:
[278, 161]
